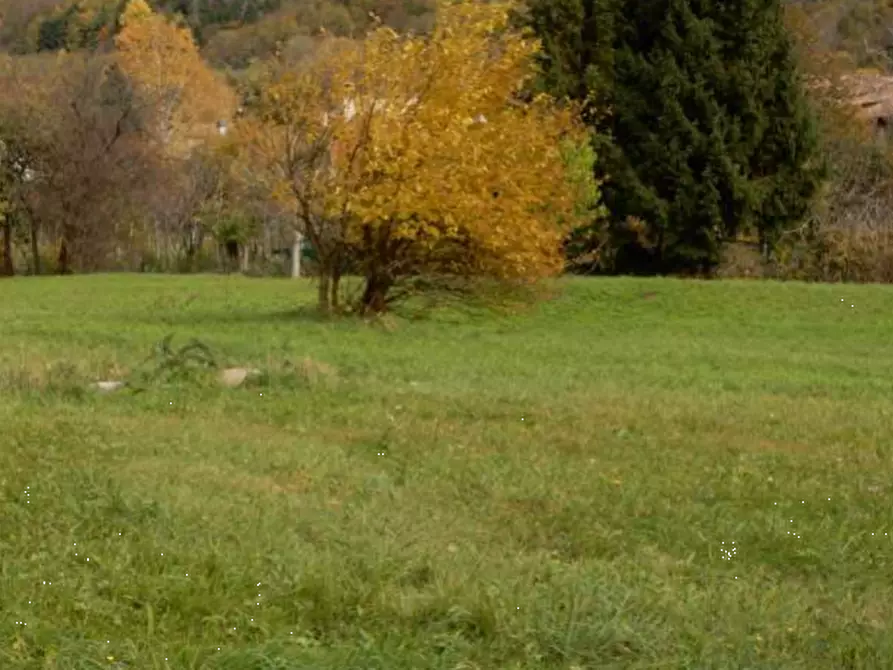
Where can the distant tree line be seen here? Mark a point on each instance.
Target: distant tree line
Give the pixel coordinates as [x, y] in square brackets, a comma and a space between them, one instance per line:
[30, 27]
[412, 160]
[205, 135]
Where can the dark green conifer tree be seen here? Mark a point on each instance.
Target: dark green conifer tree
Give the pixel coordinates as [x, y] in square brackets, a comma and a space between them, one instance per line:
[701, 125]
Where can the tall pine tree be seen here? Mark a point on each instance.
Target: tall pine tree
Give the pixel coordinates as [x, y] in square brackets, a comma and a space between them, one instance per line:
[700, 121]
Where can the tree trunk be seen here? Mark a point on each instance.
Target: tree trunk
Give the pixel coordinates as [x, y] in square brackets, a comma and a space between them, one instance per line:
[159, 252]
[765, 248]
[191, 245]
[232, 255]
[7, 268]
[64, 259]
[323, 303]
[189, 265]
[268, 241]
[296, 256]
[35, 248]
[374, 300]
[336, 288]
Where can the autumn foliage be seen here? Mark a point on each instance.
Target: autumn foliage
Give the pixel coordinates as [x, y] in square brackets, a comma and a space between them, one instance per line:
[92, 142]
[411, 156]
[182, 97]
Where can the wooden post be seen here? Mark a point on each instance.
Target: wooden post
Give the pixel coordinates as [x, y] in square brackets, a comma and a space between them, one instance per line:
[246, 258]
[296, 256]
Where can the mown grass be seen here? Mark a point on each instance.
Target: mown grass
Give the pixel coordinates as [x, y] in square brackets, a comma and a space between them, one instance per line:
[557, 488]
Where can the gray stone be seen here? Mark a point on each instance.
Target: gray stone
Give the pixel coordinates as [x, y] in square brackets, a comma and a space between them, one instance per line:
[109, 386]
[235, 377]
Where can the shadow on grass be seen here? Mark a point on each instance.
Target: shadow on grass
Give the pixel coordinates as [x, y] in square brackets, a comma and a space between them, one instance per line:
[303, 315]
[470, 302]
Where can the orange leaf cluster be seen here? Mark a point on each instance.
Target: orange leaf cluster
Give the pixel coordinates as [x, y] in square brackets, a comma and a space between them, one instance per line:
[400, 146]
[183, 97]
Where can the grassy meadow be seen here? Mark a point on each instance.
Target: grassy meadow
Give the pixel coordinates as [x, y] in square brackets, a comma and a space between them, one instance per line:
[635, 473]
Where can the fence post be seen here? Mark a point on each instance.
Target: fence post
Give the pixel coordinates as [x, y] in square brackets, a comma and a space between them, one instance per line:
[296, 256]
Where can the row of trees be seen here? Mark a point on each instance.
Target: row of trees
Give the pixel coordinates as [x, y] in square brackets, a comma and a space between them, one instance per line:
[88, 140]
[231, 29]
[397, 156]
[506, 141]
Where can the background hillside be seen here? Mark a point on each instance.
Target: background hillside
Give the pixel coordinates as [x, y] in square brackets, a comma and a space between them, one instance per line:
[231, 32]
[234, 31]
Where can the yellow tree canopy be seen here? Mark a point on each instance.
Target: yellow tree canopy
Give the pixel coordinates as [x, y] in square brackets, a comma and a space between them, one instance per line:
[184, 98]
[401, 145]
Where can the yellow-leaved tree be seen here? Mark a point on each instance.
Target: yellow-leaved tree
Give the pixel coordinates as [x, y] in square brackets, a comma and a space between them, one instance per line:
[411, 156]
[182, 98]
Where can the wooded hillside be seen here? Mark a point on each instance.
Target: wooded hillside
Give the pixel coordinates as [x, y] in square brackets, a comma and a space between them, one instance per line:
[231, 32]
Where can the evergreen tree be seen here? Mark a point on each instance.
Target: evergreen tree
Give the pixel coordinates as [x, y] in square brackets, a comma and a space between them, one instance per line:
[706, 130]
[53, 33]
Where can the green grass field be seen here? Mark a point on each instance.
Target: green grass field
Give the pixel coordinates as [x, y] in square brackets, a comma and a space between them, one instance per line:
[633, 474]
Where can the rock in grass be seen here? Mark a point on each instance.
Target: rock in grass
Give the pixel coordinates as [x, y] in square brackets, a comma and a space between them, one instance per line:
[109, 386]
[235, 377]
